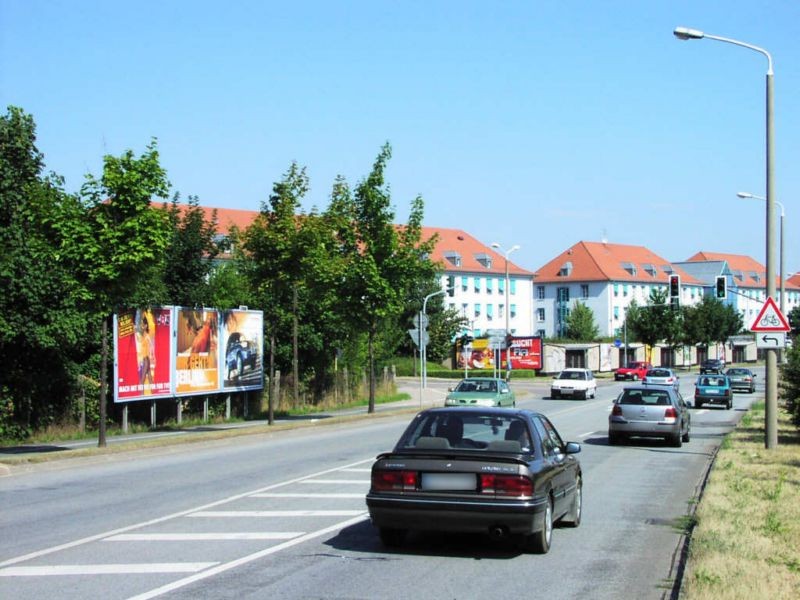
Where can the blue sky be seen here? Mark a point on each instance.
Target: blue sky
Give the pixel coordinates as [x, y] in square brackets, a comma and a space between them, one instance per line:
[538, 123]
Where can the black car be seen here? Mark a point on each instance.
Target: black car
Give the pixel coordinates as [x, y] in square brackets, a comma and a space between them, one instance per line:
[712, 365]
[239, 353]
[498, 471]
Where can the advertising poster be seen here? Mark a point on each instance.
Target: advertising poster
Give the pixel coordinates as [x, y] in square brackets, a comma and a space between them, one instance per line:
[142, 341]
[243, 341]
[197, 351]
[526, 353]
[481, 356]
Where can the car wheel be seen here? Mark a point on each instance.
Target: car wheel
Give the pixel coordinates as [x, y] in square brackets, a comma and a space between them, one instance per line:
[698, 404]
[555, 394]
[635, 377]
[573, 517]
[685, 437]
[613, 439]
[675, 440]
[539, 542]
[729, 405]
[392, 537]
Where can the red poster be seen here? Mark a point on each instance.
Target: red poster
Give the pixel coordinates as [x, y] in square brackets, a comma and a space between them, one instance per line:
[526, 353]
[143, 354]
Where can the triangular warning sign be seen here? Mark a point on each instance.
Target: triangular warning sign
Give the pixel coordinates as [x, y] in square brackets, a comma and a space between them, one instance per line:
[770, 318]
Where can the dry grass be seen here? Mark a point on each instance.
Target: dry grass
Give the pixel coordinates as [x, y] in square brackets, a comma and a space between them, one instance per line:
[746, 543]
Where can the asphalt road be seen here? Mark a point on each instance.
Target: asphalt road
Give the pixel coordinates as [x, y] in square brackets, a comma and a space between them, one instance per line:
[282, 515]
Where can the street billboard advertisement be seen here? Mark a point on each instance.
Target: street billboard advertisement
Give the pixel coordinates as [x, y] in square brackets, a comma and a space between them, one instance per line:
[479, 356]
[525, 352]
[243, 343]
[197, 351]
[142, 343]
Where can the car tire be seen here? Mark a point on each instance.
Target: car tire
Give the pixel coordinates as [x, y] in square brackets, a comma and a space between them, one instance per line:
[554, 394]
[539, 542]
[573, 517]
[675, 440]
[392, 537]
[686, 436]
[729, 405]
[613, 439]
[698, 404]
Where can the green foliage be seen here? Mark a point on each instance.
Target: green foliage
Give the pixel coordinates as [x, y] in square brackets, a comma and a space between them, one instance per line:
[790, 383]
[580, 323]
[710, 321]
[655, 322]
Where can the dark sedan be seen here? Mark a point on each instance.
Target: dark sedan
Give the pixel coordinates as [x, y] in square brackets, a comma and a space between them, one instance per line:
[502, 472]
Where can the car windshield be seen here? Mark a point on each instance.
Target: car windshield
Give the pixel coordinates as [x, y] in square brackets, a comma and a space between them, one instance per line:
[475, 385]
[737, 371]
[658, 373]
[470, 430]
[572, 375]
[644, 397]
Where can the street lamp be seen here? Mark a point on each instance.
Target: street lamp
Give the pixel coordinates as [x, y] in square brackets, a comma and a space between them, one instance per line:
[783, 217]
[497, 246]
[771, 408]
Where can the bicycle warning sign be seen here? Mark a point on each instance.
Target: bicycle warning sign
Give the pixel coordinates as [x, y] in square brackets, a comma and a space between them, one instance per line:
[770, 318]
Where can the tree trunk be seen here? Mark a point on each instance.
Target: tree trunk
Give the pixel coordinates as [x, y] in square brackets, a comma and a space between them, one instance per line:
[271, 390]
[295, 360]
[371, 374]
[101, 441]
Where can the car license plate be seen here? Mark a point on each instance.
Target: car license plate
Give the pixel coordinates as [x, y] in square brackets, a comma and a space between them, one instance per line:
[449, 481]
[713, 391]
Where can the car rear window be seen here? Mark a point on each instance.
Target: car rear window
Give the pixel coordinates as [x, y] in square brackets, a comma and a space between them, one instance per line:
[713, 381]
[657, 373]
[644, 397]
[467, 431]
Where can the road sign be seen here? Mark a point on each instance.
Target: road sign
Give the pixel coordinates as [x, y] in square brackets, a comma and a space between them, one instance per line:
[770, 319]
[414, 333]
[776, 340]
[421, 321]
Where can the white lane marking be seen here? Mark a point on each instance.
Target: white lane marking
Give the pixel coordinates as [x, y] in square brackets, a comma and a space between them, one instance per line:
[337, 481]
[99, 536]
[200, 537]
[216, 514]
[332, 495]
[246, 559]
[587, 434]
[110, 569]
[357, 470]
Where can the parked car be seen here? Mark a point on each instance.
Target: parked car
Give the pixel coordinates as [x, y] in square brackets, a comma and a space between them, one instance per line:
[650, 411]
[742, 379]
[712, 365]
[633, 370]
[239, 353]
[575, 383]
[481, 391]
[505, 473]
[713, 388]
[662, 376]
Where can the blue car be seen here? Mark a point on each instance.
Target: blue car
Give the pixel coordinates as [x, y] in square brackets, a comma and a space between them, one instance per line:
[240, 353]
[713, 388]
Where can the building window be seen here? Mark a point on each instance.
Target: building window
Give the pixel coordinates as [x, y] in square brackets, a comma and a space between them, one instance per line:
[540, 292]
[464, 283]
[489, 289]
[477, 310]
[512, 286]
[513, 312]
[616, 313]
[616, 289]
[540, 315]
[477, 284]
[562, 294]
[540, 333]
[624, 289]
[464, 308]
[501, 286]
[584, 290]
[489, 311]
[501, 310]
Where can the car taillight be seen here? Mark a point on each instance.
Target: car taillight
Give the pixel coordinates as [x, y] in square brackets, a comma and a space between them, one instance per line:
[617, 410]
[670, 380]
[389, 481]
[696, 392]
[670, 414]
[506, 485]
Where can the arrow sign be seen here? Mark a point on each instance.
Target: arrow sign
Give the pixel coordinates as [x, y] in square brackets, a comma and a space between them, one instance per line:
[771, 340]
[770, 319]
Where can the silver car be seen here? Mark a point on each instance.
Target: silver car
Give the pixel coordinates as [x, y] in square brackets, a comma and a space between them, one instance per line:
[649, 411]
[663, 376]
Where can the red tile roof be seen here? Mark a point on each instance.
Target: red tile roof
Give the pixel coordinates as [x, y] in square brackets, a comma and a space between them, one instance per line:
[600, 261]
[745, 265]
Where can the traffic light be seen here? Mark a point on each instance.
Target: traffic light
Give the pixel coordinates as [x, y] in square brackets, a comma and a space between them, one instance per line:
[674, 286]
[722, 287]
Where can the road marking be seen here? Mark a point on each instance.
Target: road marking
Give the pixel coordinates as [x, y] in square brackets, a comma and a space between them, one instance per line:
[200, 537]
[215, 514]
[356, 470]
[337, 481]
[183, 513]
[110, 569]
[170, 587]
[587, 434]
[332, 495]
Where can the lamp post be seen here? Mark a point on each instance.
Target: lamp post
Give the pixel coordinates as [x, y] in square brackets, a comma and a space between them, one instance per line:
[783, 217]
[497, 246]
[423, 347]
[771, 408]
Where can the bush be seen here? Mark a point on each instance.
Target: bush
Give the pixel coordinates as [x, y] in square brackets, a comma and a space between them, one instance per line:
[790, 384]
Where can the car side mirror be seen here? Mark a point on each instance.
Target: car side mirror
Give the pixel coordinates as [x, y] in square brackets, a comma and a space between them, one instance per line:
[573, 448]
[450, 389]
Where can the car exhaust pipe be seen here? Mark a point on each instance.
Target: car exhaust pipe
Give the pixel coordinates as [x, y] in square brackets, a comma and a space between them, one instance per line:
[498, 532]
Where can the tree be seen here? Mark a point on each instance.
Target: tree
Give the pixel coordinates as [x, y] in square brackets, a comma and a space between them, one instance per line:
[794, 321]
[117, 242]
[580, 323]
[710, 321]
[43, 331]
[654, 322]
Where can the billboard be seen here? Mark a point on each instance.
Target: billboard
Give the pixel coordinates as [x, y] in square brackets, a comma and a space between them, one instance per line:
[243, 344]
[196, 351]
[525, 352]
[142, 343]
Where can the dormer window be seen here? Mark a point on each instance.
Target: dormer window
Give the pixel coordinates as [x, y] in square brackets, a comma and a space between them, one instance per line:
[756, 277]
[630, 268]
[667, 269]
[484, 259]
[650, 269]
[566, 269]
[454, 258]
[738, 275]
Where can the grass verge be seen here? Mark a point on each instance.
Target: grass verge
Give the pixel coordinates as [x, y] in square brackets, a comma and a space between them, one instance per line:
[746, 541]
